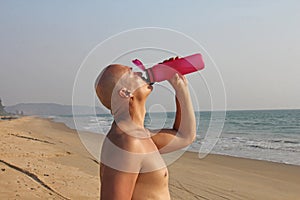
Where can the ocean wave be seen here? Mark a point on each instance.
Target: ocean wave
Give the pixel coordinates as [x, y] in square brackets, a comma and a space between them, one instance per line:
[267, 135]
[275, 145]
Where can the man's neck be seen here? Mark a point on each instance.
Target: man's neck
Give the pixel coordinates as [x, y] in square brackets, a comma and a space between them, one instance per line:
[137, 114]
[132, 122]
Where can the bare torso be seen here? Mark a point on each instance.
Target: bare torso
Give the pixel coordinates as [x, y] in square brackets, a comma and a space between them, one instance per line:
[152, 185]
[152, 180]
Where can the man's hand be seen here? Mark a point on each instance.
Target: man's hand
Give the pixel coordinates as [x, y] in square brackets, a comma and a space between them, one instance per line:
[170, 59]
[178, 82]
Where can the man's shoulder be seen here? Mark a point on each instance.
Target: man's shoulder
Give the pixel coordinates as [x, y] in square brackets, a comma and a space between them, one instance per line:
[128, 143]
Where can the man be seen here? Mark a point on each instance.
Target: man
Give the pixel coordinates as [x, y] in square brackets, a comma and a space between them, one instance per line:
[131, 164]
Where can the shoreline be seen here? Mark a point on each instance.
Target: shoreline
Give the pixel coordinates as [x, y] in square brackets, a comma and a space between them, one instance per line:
[190, 151]
[253, 159]
[196, 150]
[41, 158]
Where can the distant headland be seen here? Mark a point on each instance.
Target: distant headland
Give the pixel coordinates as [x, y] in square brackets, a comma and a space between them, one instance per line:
[52, 109]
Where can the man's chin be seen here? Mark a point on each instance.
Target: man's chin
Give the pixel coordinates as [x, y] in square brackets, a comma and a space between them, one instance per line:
[150, 87]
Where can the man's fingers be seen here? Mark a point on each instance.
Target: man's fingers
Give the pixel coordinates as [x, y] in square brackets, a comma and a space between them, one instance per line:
[170, 59]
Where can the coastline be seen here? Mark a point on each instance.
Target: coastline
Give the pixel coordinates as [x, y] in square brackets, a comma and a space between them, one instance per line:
[45, 159]
[261, 135]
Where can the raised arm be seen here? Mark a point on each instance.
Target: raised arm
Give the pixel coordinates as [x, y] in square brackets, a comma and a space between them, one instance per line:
[184, 128]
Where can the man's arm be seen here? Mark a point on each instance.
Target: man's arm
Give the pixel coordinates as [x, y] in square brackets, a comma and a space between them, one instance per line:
[184, 128]
[120, 167]
[116, 184]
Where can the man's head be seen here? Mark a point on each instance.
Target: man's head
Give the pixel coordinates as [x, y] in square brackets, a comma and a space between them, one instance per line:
[118, 82]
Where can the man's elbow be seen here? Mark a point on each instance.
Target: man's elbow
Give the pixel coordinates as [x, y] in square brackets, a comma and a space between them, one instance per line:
[190, 138]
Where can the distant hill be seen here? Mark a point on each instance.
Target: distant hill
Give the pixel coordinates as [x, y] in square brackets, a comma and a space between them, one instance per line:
[52, 109]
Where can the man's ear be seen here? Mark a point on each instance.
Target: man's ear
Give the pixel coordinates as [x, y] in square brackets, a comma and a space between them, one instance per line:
[125, 93]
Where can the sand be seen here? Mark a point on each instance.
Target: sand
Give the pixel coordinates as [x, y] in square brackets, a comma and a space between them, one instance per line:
[41, 159]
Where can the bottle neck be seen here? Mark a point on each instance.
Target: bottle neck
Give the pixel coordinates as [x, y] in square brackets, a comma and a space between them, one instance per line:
[150, 76]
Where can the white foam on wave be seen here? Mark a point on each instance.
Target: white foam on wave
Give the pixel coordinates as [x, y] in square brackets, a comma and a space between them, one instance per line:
[275, 149]
[263, 135]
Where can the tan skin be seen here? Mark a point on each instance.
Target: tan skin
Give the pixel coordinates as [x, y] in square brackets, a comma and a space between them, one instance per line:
[147, 180]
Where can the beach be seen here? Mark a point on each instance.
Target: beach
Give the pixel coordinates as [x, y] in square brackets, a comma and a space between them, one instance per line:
[42, 159]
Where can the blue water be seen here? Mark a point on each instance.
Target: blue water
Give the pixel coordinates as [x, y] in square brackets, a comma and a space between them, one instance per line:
[272, 135]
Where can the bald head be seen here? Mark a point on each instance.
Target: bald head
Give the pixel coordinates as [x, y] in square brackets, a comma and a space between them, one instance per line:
[107, 81]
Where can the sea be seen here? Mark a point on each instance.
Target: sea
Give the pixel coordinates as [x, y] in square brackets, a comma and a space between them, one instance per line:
[271, 135]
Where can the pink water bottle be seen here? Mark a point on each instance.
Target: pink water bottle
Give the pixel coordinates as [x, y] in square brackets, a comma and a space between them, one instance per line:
[166, 70]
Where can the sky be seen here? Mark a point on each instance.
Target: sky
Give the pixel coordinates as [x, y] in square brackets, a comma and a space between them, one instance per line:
[254, 44]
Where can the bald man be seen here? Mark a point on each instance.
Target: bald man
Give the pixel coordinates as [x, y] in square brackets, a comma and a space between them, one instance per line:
[131, 163]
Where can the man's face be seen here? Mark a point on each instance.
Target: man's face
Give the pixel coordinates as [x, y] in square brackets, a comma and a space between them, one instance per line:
[134, 82]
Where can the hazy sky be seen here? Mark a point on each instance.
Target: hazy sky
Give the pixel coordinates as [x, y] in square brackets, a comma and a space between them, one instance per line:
[255, 43]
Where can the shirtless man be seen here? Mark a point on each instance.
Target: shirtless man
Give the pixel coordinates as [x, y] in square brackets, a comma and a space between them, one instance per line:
[131, 163]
